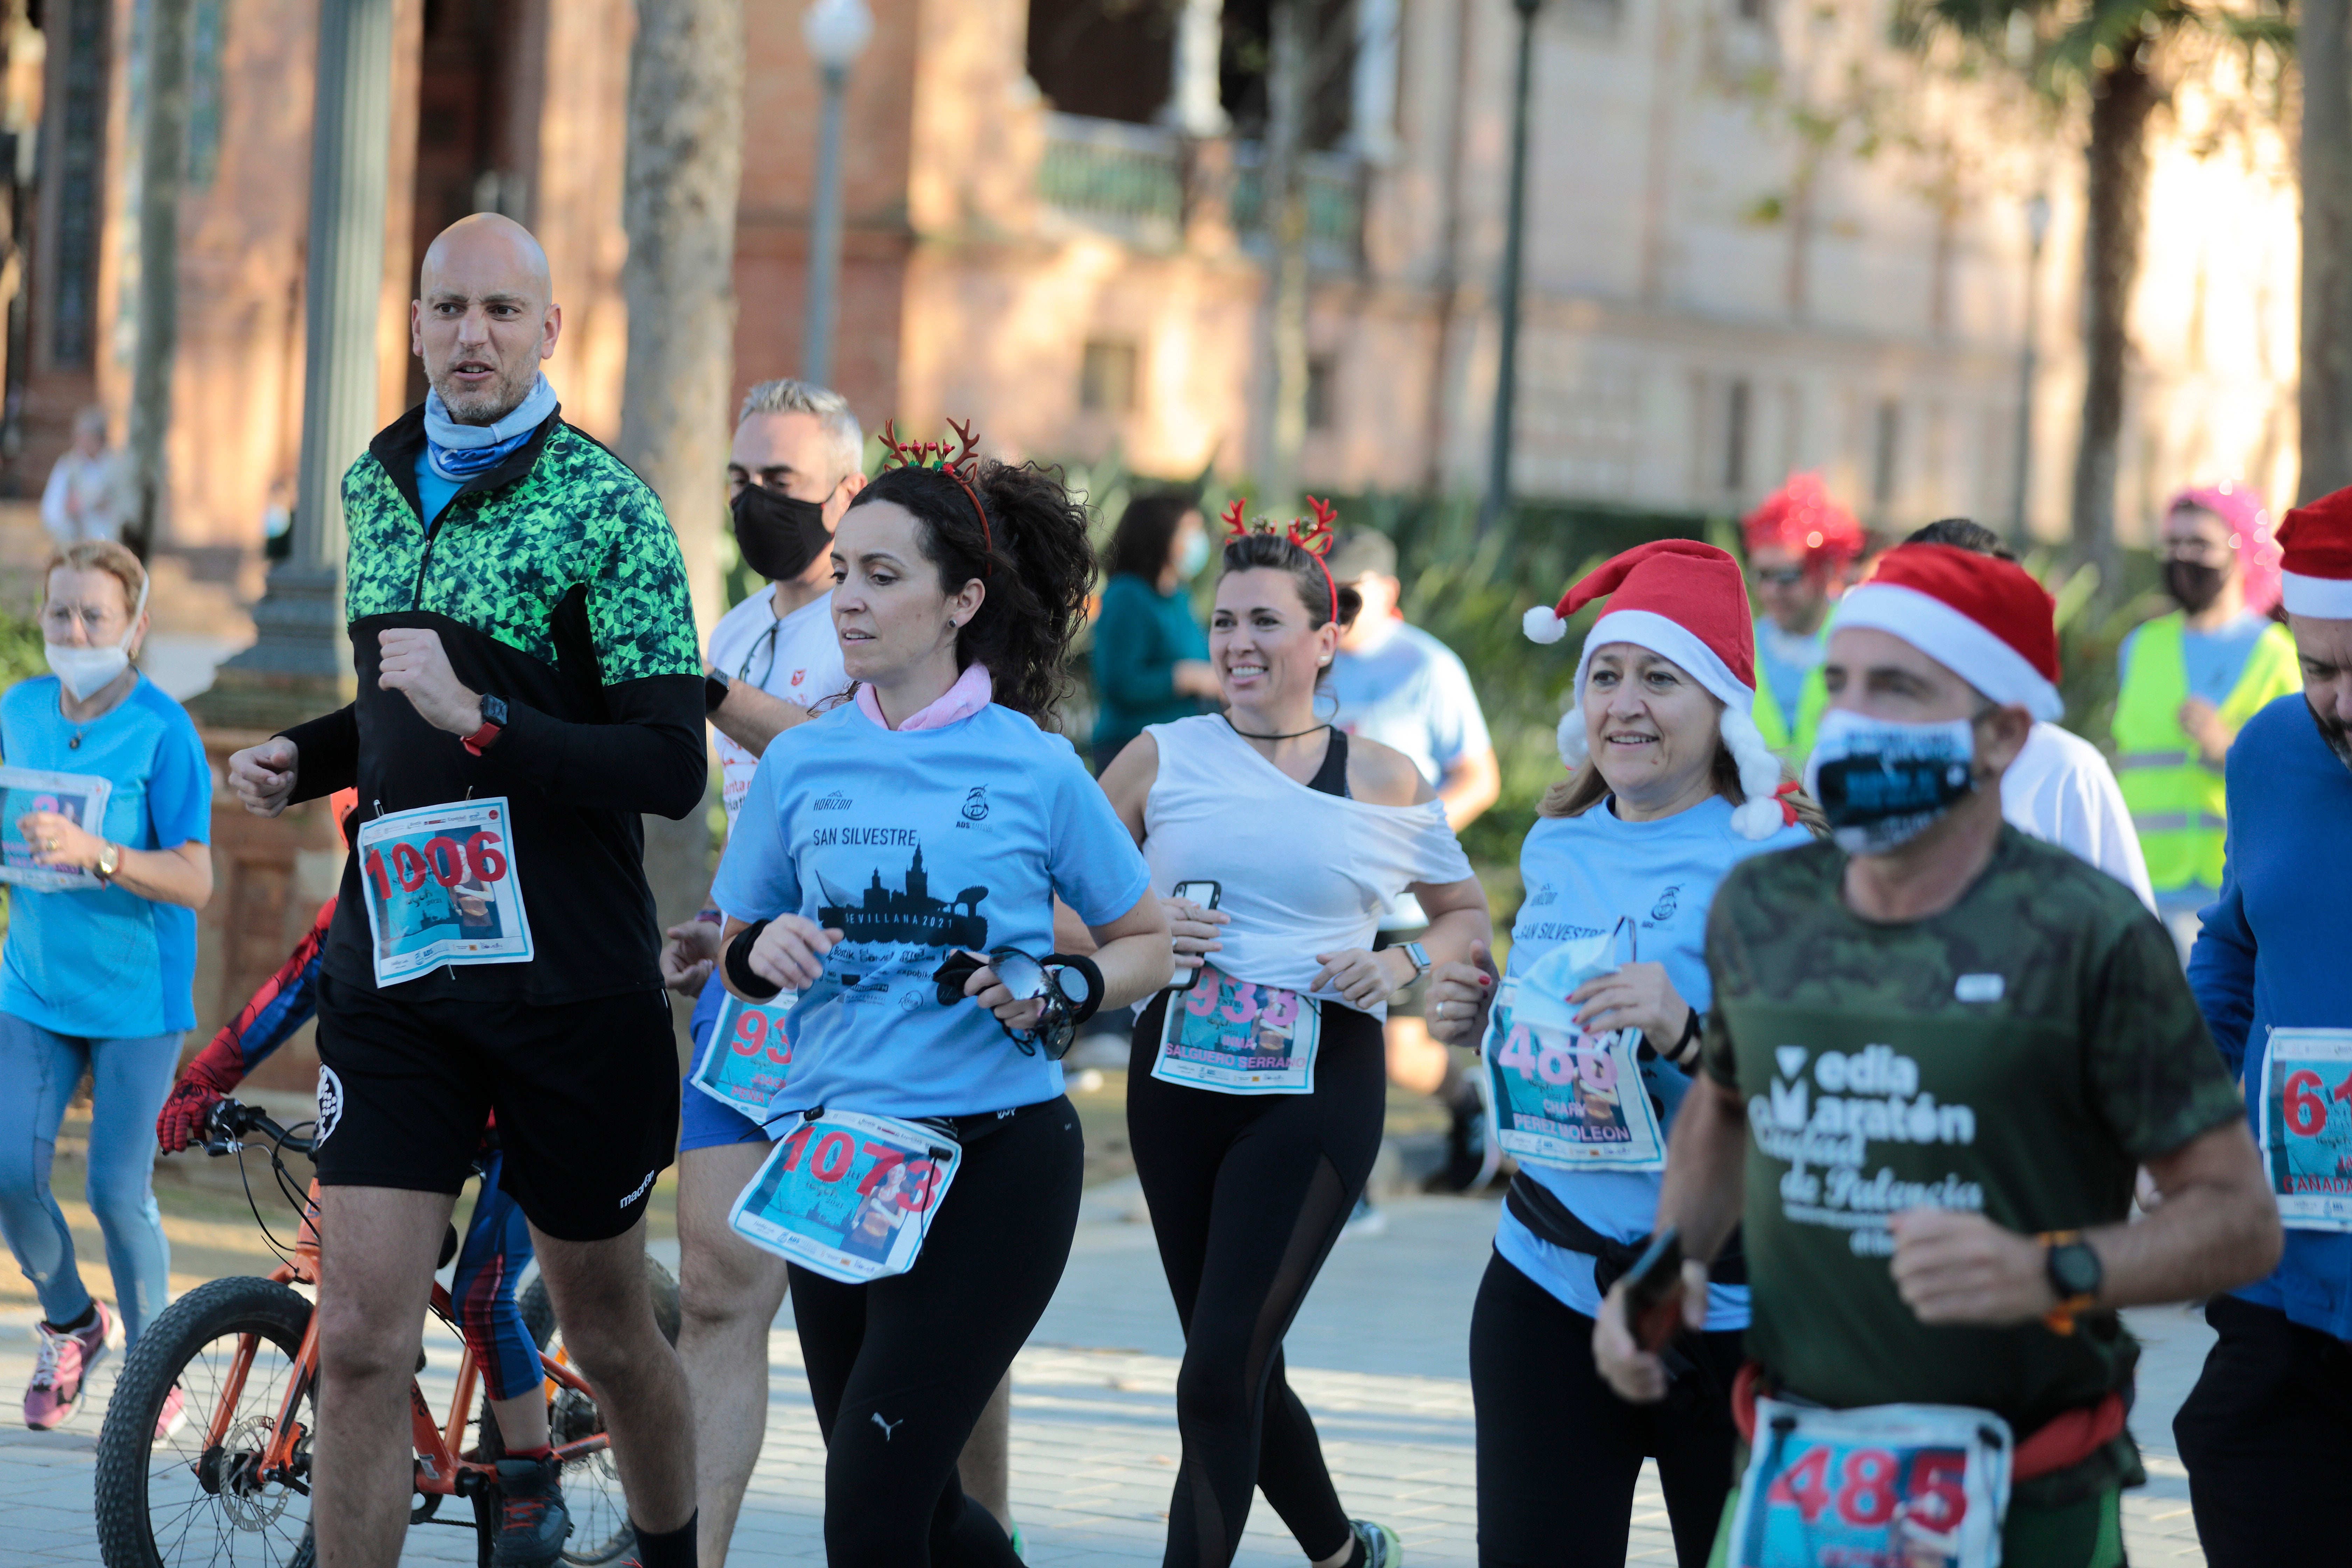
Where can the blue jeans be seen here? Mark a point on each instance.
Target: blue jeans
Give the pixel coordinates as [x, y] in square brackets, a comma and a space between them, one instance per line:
[38, 1073]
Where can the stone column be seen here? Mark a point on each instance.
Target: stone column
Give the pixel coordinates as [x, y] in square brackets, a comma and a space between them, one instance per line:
[1193, 105]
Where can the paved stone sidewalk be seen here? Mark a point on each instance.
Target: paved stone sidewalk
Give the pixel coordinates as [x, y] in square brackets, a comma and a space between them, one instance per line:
[1379, 1353]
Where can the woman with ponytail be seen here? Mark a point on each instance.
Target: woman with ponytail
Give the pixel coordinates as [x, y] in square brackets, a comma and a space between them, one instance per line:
[895, 865]
[1257, 1089]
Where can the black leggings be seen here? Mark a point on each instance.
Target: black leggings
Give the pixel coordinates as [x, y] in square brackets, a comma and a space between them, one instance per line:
[1247, 1194]
[1558, 1452]
[899, 1369]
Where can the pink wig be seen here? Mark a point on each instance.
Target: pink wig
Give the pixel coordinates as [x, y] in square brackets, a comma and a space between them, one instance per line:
[2238, 505]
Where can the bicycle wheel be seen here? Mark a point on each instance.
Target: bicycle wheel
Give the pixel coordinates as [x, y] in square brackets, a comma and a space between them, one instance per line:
[180, 1500]
[592, 1484]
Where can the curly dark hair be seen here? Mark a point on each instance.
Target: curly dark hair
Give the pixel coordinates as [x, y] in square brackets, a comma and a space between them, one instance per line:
[1034, 561]
[1253, 551]
[1138, 546]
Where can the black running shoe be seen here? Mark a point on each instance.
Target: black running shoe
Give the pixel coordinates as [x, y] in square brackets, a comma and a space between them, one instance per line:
[532, 1522]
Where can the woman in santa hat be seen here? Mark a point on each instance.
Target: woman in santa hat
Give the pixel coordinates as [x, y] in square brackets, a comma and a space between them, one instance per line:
[1589, 1050]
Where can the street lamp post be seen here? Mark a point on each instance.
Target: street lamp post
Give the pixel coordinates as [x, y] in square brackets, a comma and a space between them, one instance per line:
[2037, 229]
[836, 32]
[1507, 363]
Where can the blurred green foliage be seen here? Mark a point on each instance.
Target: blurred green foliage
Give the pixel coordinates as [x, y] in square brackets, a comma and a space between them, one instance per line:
[20, 649]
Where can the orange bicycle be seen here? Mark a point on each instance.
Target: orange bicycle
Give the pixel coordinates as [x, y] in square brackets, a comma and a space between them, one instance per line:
[230, 1483]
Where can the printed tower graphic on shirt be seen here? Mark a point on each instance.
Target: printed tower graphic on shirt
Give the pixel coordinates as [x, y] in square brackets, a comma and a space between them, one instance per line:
[884, 916]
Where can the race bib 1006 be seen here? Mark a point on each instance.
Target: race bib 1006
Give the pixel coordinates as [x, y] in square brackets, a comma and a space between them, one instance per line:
[2306, 1126]
[748, 1055]
[1888, 1486]
[1562, 1098]
[1239, 1037]
[442, 887]
[80, 798]
[850, 1196]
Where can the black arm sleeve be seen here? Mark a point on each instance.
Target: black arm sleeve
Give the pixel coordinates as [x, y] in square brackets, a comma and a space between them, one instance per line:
[650, 758]
[329, 748]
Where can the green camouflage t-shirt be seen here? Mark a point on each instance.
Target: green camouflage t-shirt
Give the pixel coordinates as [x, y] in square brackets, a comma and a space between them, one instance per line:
[2018, 1055]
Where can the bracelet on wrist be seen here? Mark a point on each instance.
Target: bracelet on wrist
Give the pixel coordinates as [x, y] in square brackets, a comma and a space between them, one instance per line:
[740, 974]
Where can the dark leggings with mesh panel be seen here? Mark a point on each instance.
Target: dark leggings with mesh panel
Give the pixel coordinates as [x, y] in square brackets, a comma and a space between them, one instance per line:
[1247, 1194]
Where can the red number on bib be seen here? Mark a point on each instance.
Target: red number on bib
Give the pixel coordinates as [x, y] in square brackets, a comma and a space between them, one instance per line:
[1805, 1486]
[1245, 999]
[751, 1033]
[488, 864]
[796, 1145]
[2307, 1112]
[833, 1144]
[885, 1159]
[454, 872]
[1868, 1495]
[1941, 1500]
[408, 865]
[375, 872]
[2343, 1091]
[916, 1195]
[1518, 1052]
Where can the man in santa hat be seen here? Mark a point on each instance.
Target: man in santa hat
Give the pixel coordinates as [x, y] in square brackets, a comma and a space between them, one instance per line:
[1799, 544]
[1938, 1052]
[2271, 1419]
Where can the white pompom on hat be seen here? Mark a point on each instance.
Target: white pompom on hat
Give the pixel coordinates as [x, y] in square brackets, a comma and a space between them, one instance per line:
[1687, 602]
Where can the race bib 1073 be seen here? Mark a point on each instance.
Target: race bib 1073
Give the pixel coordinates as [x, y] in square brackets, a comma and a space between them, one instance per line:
[1888, 1486]
[1238, 1037]
[2306, 1126]
[442, 887]
[749, 1054]
[850, 1196]
[1562, 1098]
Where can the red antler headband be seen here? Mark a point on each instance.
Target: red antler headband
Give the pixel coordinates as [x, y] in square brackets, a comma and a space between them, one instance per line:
[1314, 537]
[952, 462]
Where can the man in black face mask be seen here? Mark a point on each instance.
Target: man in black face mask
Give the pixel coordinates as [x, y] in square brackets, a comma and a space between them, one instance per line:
[2190, 679]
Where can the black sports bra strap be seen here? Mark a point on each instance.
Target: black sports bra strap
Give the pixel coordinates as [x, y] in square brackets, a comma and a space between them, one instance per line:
[1332, 778]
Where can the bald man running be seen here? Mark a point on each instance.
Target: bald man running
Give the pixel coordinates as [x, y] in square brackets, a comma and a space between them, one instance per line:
[529, 684]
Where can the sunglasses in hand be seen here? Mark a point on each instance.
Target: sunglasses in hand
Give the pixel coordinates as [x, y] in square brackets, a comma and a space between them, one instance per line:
[1028, 979]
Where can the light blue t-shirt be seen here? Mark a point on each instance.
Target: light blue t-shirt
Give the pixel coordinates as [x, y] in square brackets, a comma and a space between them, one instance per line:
[1582, 874]
[912, 843]
[432, 489]
[2212, 660]
[107, 964]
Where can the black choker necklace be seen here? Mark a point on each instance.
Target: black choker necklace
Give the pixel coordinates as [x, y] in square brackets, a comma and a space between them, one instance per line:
[1293, 735]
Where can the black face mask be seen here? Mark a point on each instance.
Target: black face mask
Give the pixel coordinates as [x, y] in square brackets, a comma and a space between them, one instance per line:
[778, 536]
[2193, 583]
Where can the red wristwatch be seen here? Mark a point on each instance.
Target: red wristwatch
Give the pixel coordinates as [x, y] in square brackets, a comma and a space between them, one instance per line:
[494, 721]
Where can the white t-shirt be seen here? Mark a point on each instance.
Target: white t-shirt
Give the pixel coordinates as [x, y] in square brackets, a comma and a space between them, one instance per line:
[1409, 690]
[802, 664]
[2062, 791]
[1300, 872]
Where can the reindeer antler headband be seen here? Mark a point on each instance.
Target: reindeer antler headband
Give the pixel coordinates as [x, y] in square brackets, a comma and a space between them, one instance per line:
[1314, 537]
[952, 459]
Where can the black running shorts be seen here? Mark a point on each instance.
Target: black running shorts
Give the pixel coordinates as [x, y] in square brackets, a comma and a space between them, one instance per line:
[585, 1094]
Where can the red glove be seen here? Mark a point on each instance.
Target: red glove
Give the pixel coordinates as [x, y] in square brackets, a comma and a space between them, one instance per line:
[203, 1085]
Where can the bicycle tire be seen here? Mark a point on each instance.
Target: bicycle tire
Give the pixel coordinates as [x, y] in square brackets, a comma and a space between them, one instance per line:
[600, 1524]
[247, 1525]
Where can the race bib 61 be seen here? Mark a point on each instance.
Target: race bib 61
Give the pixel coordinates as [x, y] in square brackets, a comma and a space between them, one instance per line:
[2306, 1126]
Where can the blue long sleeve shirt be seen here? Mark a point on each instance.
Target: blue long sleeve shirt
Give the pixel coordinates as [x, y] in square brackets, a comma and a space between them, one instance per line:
[2272, 952]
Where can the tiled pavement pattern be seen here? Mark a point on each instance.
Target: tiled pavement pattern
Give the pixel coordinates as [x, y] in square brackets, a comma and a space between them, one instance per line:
[1378, 1353]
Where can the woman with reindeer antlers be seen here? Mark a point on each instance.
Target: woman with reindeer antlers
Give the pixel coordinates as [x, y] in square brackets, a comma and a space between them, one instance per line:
[926, 1189]
[1255, 1093]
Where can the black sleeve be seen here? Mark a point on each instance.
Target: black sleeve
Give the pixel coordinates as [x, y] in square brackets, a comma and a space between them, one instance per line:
[329, 748]
[650, 757]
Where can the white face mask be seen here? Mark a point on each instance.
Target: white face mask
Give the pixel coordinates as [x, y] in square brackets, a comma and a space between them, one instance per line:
[1881, 783]
[85, 671]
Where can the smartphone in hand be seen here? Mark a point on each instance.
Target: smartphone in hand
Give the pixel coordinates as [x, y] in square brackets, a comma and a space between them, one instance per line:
[1654, 1291]
[1205, 893]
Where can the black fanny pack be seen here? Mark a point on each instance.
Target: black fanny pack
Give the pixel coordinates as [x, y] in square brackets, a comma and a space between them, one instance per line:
[1536, 1206]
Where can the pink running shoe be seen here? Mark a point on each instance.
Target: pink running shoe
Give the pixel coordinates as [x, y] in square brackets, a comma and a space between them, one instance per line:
[61, 1370]
[174, 1415]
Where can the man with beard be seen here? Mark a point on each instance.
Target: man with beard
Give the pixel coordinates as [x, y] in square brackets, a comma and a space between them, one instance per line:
[2188, 679]
[2272, 1417]
[528, 688]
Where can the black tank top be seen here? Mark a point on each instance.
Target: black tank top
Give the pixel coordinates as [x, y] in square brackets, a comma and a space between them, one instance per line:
[1332, 778]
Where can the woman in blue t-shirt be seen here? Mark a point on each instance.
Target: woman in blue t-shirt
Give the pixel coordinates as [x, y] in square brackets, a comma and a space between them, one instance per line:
[881, 848]
[105, 831]
[1670, 786]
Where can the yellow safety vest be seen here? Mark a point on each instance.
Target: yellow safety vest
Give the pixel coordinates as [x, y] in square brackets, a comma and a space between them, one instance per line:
[2176, 801]
[1812, 702]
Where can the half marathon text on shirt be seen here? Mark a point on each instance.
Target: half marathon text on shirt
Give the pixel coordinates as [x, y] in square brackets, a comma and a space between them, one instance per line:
[1871, 1095]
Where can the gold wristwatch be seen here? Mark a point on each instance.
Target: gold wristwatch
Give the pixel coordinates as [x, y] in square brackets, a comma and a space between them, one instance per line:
[110, 860]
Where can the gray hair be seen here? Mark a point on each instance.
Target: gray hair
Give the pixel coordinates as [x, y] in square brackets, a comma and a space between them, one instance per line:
[845, 438]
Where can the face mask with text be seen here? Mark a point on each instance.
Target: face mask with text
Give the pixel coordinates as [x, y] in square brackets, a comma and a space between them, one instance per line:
[1881, 783]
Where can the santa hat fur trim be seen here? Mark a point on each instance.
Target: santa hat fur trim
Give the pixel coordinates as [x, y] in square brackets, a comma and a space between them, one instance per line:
[2316, 578]
[1986, 620]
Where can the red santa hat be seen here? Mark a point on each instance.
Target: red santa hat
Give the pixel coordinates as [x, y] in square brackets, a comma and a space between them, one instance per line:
[1802, 517]
[1687, 602]
[2315, 571]
[1987, 619]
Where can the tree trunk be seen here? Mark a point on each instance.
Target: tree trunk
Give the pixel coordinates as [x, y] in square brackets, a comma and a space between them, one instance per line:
[163, 157]
[2122, 99]
[2324, 400]
[1285, 207]
[686, 166]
